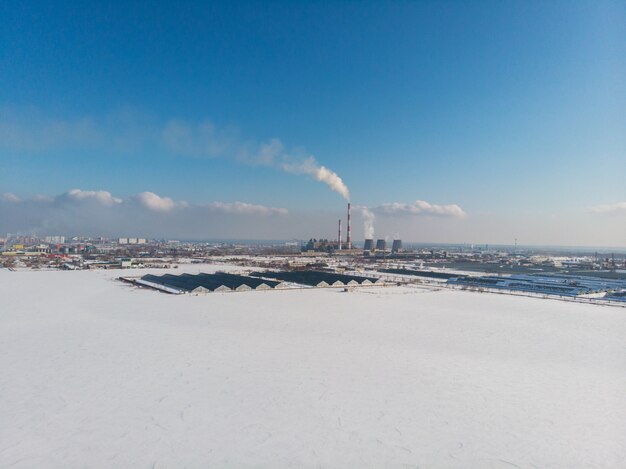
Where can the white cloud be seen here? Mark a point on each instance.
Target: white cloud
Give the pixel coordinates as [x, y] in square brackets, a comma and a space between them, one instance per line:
[246, 208]
[616, 208]
[100, 213]
[421, 207]
[154, 202]
[9, 197]
[102, 197]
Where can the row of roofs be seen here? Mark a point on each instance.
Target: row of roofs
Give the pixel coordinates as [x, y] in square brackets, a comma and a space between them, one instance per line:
[556, 285]
[316, 278]
[421, 273]
[593, 283]
[204, 283]
[221, 282]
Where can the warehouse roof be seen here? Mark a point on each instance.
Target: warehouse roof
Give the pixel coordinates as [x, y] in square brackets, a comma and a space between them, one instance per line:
[211, 282]
[422, 273]
[316, 277]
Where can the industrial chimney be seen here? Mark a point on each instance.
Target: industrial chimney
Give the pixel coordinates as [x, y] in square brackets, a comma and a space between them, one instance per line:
[349, 241]
[339, 237]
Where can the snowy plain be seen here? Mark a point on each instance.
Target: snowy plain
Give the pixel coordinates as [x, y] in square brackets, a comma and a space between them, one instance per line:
[96, 373]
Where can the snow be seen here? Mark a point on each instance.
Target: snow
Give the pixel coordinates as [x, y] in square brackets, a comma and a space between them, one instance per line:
[96, 373]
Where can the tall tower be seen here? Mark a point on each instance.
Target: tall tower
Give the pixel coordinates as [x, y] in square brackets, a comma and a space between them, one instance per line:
[339, 237]
[349, 241]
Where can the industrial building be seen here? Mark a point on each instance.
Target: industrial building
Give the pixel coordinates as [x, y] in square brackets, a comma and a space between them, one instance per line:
[564, 285]
[131, 241]
[204, 283]
[422, 273]
[315, 278]
[225, 282]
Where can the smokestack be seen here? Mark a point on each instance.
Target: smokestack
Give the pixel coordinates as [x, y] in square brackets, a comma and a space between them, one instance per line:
[349, 242]
[339, 237]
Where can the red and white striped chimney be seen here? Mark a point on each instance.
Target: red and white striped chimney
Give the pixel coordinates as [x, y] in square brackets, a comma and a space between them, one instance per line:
[349, 242]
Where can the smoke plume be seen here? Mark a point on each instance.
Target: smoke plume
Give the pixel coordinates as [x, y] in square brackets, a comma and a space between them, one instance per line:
[133, 132]
[368, 222]
[319, 173]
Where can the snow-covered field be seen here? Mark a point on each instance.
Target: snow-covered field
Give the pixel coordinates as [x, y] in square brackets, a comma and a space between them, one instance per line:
[95, 373]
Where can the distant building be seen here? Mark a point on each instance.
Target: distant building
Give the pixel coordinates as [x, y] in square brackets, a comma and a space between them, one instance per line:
[131, 241]
[381, 245]
[54, 239]
[321, 245]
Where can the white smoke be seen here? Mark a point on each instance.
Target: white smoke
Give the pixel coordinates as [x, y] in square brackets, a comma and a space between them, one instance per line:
[320, 173]
[131, 132]
[368, 221]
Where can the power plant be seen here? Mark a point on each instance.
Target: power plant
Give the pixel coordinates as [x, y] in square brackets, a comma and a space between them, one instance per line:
[339, 244]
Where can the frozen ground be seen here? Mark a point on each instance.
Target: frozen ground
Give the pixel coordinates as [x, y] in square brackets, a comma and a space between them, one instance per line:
[94, 373]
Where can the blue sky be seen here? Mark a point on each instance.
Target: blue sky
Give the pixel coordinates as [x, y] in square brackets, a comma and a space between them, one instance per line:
[514, 111]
